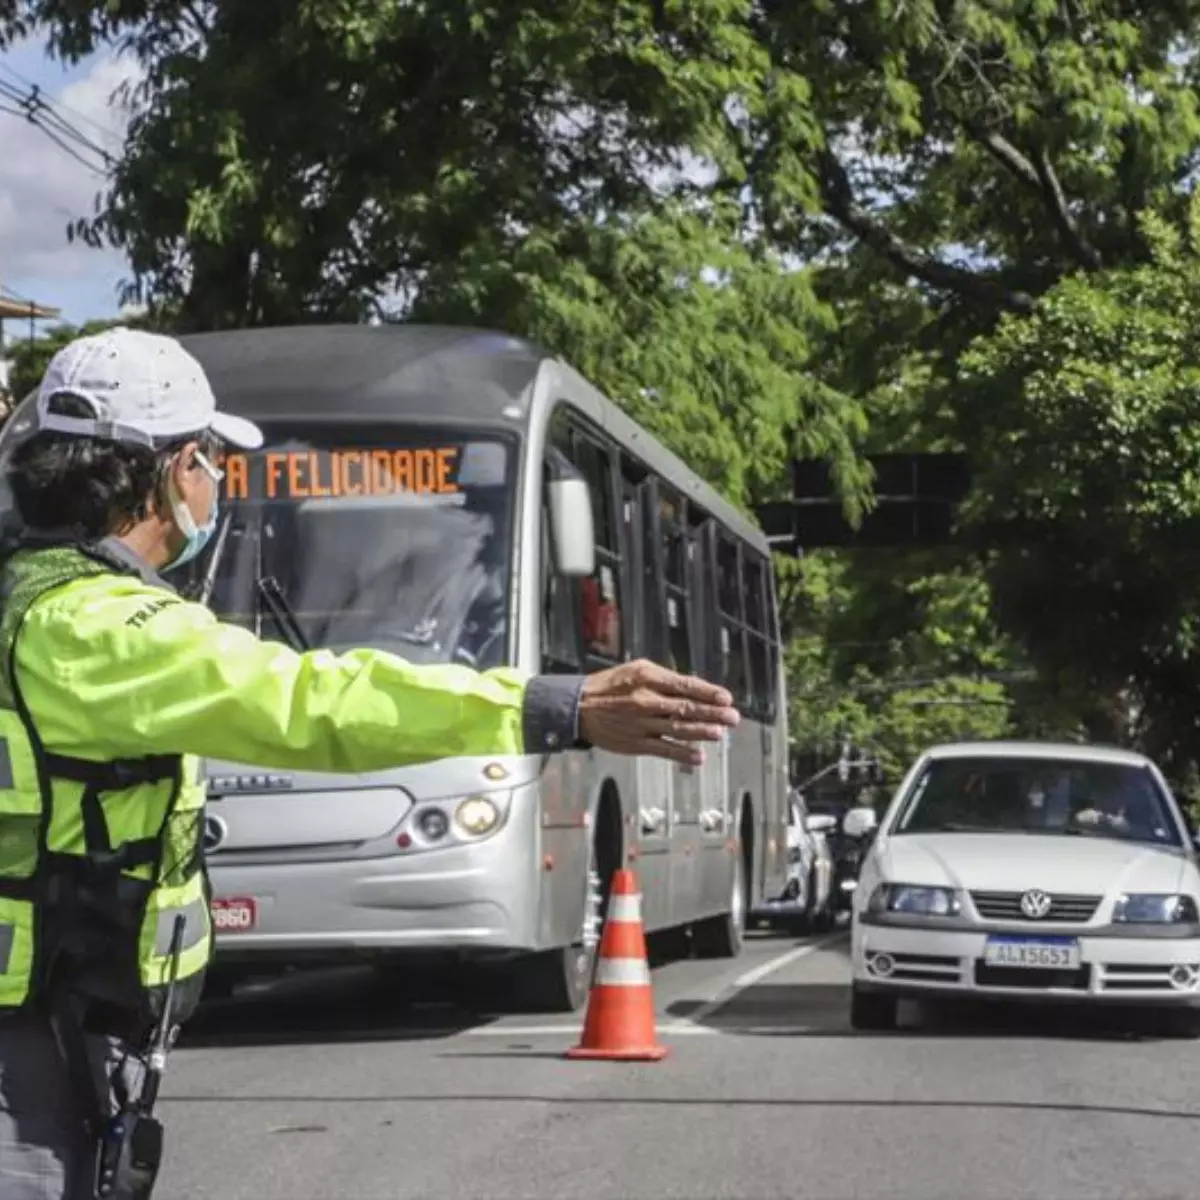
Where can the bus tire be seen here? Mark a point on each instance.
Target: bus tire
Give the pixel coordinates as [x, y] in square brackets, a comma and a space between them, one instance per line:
[723, 936]
[560, 980]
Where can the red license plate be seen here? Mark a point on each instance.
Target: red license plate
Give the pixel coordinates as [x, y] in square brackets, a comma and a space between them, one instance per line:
[234, 914]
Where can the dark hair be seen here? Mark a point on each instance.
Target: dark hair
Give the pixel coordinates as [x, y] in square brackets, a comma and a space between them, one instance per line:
[90, 486]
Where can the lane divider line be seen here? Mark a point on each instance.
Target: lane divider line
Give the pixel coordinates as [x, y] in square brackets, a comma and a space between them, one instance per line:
[759, 973]
[520, 1031]
[689, 1026]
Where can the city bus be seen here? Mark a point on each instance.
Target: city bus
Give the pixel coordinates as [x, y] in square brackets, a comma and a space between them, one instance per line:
[463, 496]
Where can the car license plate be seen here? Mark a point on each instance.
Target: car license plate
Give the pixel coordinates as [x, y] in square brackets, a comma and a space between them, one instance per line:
[234, 914]
[1049, 953]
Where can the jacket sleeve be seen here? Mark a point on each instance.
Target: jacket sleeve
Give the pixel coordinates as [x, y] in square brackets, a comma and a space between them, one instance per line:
[112, 667]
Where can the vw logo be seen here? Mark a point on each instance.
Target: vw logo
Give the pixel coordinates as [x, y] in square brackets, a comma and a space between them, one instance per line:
[1035, 905]
[215, 832]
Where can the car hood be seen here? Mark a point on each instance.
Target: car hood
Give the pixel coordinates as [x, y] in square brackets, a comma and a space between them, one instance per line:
[1017, 862]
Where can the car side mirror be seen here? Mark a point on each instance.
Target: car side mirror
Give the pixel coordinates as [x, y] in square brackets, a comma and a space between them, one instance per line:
[860, 822]
[820, 823]
[571, 527]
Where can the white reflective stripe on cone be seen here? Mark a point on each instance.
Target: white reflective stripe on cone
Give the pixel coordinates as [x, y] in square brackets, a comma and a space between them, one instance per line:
[625, 908]
[623, 972]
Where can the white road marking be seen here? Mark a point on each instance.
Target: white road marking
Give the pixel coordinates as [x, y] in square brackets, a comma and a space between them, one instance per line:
[759, 974]
[669, 1029]
[692, 1025]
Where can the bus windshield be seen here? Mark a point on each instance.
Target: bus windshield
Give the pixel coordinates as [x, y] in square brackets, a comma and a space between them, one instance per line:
[398, 541]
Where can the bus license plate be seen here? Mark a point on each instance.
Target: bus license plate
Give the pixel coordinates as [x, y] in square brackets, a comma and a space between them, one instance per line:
[235, 914]
[1053, 954]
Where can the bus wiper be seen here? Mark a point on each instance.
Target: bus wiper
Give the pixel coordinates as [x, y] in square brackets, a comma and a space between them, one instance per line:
[210, 576]
[273, 597]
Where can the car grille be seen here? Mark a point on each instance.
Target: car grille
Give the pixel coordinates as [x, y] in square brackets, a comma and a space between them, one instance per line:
[1031, 978]
[1006, 906]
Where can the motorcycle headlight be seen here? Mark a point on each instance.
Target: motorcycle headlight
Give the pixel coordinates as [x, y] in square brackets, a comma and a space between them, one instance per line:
[1148, 908]
[915, 900]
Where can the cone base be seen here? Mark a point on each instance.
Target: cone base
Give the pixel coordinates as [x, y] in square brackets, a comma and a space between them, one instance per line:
[633, 1054]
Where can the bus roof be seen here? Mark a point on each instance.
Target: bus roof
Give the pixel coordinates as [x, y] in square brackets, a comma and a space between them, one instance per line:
[365, 372]
[433, 372]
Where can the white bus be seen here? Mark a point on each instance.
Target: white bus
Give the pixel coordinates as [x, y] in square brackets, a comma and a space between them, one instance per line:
[406, 499]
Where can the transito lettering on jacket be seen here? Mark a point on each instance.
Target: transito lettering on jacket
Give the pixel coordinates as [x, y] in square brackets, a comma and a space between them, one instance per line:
[150, 609]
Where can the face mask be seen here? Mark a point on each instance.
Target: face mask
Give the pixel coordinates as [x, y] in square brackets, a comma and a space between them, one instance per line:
[196, 536]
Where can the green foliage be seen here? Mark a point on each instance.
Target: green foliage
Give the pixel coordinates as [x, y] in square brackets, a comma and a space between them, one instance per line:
[1088, 455]
[895, 654]
[700, 339]
[965, 183]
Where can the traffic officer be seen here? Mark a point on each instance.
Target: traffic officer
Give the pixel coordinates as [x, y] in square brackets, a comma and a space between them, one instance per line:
[112, 687]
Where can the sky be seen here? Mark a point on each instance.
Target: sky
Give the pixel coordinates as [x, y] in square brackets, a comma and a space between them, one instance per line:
[42, 187]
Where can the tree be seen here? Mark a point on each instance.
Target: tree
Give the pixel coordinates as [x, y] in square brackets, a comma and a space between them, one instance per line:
[704, 341]
[1088, 496]
[984, 150]
[896, 653]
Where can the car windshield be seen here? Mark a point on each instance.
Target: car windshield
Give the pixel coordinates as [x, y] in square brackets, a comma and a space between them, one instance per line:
[1064, 797]
[398, 541]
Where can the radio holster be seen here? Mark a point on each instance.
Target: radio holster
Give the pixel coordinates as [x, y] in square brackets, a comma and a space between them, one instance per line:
[128, 1143]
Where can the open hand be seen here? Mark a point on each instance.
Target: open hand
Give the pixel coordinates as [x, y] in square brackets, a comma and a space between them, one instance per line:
[642, 708]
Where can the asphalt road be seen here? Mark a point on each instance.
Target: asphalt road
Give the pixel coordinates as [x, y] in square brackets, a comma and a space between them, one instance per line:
[338, 1088]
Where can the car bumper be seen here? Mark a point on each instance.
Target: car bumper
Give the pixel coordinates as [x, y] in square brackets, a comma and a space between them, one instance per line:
[1115, 970]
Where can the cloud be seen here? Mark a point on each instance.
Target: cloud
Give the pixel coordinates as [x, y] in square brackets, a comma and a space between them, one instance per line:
[43, 188]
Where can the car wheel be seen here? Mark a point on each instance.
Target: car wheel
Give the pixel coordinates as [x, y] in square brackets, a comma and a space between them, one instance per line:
[873, 1012]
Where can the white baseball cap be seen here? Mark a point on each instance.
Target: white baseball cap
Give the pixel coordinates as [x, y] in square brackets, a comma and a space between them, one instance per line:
[142, 387]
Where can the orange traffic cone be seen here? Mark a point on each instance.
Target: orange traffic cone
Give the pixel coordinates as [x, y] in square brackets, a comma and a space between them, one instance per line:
[620, 1013]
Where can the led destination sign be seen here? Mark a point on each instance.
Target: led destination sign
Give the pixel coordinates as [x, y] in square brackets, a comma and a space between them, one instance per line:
[311, 474]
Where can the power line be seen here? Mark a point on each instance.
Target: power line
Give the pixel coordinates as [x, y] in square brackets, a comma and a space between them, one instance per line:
[39, 114]
[58, 102]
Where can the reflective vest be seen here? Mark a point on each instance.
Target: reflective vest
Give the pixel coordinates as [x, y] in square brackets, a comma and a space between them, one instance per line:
[98, 859]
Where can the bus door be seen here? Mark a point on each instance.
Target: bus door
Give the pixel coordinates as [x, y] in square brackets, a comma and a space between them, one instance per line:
[654, 810]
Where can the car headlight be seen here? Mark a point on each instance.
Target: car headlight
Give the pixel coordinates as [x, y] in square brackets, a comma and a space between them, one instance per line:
[1148, 908]
[915, 900]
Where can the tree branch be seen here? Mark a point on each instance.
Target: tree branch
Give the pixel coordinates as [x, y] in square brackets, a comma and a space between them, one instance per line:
[838, 197]
[1005, 153]
[1085, 253]
[1039, 176]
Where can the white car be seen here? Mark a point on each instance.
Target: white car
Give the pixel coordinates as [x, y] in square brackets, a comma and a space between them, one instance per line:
[1026, 871]
[807, 897]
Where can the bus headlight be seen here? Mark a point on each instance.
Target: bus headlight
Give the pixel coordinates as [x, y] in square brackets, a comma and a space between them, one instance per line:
[433, 824]
[477, 815]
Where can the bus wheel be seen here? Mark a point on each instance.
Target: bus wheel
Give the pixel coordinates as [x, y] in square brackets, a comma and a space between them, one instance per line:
[560, 980]
[723, 936]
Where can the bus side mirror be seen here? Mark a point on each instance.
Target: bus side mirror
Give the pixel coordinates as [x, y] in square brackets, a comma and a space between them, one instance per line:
[571, 528]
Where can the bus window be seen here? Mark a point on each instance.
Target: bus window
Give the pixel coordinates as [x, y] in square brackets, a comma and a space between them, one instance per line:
[400, 541]
[600, 607]
[674, 551]
[764, 651]
[560, 614]
[734, 669]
